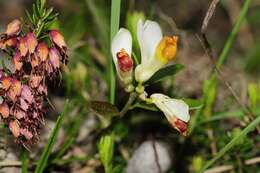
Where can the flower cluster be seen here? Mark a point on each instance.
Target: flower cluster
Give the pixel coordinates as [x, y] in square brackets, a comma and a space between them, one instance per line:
[23, 87]
[156, 52]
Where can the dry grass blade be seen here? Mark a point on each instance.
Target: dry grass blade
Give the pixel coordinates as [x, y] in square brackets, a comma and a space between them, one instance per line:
[209, 14]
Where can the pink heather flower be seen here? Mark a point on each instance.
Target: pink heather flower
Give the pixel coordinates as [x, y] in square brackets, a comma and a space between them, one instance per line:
[31, 42]
[13, 28]
[35, 81]
[54, 58]
[42, 51]
[4, 110]
[6, 83]
[15, 89]
[9, 43]
[23, 104]
[28, 135]
[17, 61]
[15, 128]
[23, 47]
[58, 39]
[26, 94]
[18, 113]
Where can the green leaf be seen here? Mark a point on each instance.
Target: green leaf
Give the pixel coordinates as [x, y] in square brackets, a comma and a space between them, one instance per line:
[25, 161]
[48, 148]
[241, 135]
[194, 104]
[106, 151]
[253, 92]
[104, 110]
[165, 72]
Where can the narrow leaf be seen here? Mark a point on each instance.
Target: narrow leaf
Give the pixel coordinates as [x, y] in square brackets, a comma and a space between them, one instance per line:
[232, 143]
[165, 72]
[48, 148]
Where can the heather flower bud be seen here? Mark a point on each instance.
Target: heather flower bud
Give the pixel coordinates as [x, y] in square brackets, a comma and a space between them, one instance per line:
[42, 51]
[23, 47]
[26, 133]
[13, 28]
[15, 89]
[31, 42]
[6, 83]
[34, 61]
[26, 94]
[54, 58]
[17, 61]
[19, 114]
[15, 128]
[58, 39]
[11, 42]
[4, 110]
[23, 104]
[35, 81]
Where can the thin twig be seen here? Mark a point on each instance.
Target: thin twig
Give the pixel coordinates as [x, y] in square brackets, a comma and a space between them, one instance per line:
[209, 14]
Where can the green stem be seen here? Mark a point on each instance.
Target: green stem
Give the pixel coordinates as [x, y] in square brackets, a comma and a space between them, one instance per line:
[128, 104]
[114, 26]
[233, 34]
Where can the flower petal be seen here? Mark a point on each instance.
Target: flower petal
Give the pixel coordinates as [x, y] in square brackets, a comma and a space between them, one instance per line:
[122, 40]
[149, 35]
[172, 107]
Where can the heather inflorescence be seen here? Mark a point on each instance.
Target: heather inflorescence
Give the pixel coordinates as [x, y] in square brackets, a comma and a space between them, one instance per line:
[33, 61]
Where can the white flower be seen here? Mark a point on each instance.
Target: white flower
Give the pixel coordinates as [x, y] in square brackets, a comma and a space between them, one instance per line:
[156, 50]
[176, 111]
[121, 49]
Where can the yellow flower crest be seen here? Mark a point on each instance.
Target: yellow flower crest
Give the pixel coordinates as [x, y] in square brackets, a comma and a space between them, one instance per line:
[167, 48]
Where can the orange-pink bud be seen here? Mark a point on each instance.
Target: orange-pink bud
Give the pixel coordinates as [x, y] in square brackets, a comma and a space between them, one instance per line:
[17, 61]
[15, 128]
[4, 110]
[6, 82]
[58, 39]
[27, 134]
[54, 58]
[15, 89]
[42, 51]
[13, 28]
[35, 81]
[31, 42]
[23, 47]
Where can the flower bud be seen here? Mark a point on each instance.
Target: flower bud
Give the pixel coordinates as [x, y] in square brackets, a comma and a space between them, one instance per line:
[23, 47]
[13, 28]
[34, 61]
[35, 81]
[26, 133]
[6, 83]
[58, 39]
[26, 94]
[17, 61]
[54, 58]
[11, 42]
[4, 110]
[15, 128]
[42, 51]
[31, 42]
[19, 114]
[15, 89]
